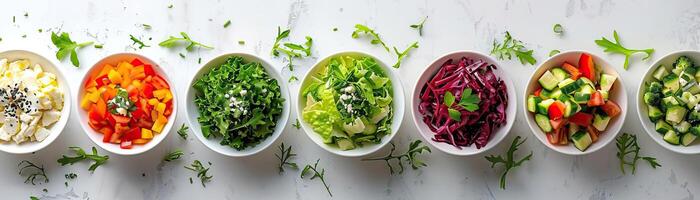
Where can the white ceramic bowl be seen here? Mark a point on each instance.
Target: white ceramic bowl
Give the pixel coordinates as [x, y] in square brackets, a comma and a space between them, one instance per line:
[397, 105]
[498, 134]
[617, 94]
[55, 129]
[642, 109]
[213, 143]
[95, 136]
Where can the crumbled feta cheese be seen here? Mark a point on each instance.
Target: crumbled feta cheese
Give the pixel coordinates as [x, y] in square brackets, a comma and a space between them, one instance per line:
[244, 92]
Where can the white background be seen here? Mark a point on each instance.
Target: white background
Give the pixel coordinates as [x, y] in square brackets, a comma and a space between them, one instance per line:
[452, 25]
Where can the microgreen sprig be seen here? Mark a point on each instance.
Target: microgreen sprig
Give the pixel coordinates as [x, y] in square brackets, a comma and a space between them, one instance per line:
[414, 149]
[509, 161]
[66, 47]
[34, 171]
[400, 55]
[317, 174]
[362, 29]
[140, 43]
[616, 47]
[173, 41]
[627, 147]
[173, 156]
[511, 47]
[183, 131]
[197, 166]
[284, 156]
[419, 26]
[82, 155]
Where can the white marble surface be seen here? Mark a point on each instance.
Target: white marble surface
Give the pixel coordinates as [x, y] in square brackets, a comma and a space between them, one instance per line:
[452, 25]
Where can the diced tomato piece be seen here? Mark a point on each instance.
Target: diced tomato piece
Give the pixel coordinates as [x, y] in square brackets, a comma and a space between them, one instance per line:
[168, 108]
[556, 110]
[120, 119]
[586, 66]
[538, 92]
[557, 123]
[596, 100]
[125, 144]
[573, 71]
[144, 123]
[132, 134]
[137, 114]
[148, 70]
[564, 136]
[94, 115]
[611, 108]
[147, 90]
[593, 132]
[106, 134]
[160, 83]
[581, 119]
[553, 137]
[136, 62]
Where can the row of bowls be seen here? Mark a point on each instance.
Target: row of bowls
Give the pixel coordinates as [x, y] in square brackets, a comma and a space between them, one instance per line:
[618, 94]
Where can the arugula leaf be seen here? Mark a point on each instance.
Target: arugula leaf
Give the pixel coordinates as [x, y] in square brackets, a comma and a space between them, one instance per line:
[81, 155]
[509, 161]
[173, 156]
[362, 29]
[403, 54]
[138, 41]
[610, 47]
[414, 148]
[419, 26]
[173, 41]
[66, 47]
[627, 146]
[35, 171]
[284, 156]
[197, 166]
[317, 174]
[183, 131]
[511, 47]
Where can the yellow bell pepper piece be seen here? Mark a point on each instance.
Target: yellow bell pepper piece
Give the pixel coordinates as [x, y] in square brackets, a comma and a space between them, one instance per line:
[141, 141]
[153, 102]
[146, 133]
[159, 123]
[160, 108]
[114, 77]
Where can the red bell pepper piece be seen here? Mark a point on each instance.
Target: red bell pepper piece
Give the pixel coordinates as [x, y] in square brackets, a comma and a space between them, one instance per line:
[148, 70]
[102, 81]
[159, 82]
[586, 66]
[132, 134]
[556, 110]
[106, 134]
[136, 62]
[581, 119]
[611, 108]
[147, 91]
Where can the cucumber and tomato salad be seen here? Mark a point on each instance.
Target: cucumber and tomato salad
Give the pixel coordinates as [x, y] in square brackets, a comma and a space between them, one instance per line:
[672, 98]
[572, 103]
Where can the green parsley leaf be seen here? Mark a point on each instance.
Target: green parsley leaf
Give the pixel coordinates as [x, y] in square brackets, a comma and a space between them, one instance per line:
[66, 47]
[511, 47]
[403, 54]
[81, 155]
[610, 47]
[469, 101]
[449, 99]
[509, 161]
[362, 29]
[419, 26]
[454, 114]
[173, 41]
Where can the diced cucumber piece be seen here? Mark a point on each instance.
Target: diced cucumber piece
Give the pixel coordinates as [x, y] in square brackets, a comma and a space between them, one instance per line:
[573, 129]
[654, 113]
[655, 87]
[695, 130]
[587, 89]
[693, 88]
[580, 97]
[560, 74]
[569, 86]
[586, 81]
[548, 80]
[670, 101]
[663, 127]
[564, 97]
[671, 138]
[543, 106]
[660, 73]
[676, 71]
[691, 71]
[604, 94]
[571, 108]
[556, 93]
[688, 139]
[543, 123]
[532, 102]
[672, 82]
[600, 122]
[682, 127]
[652, 98]
[675, 114]
[607, 81]
[581, 140]
[545, 94]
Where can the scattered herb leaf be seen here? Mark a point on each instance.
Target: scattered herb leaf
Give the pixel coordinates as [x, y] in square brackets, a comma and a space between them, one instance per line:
[414, 149]
[419, 26]
[508, 162]
[297, 125]
[627, 147]
[293, 78]
[81, 155]
[146, 26]
[170, 6]
[33, 198]
[33, 170]
[401, 55]
[182, 55]
[98, 46]
[610, 47]
[284, 156]
[316, 174]
[66, 47]
[173, 155]
[362, 29]
[228, 23]
[335, 29]
[511, 47]
[554, 52]
[197, 166]
[173, 41]
[558, 29]
[137, 41]
[241, 42]
[71, 176]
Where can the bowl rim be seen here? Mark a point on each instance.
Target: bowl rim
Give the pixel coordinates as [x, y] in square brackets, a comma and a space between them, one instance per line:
[416, 116]
[639, 98]
[282, 120]
[60, 125]
[88, 130]
[398, 119]
[535, 130]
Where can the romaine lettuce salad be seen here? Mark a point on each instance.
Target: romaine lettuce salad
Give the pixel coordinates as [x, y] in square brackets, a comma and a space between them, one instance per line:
[349, 102]
[238, 102]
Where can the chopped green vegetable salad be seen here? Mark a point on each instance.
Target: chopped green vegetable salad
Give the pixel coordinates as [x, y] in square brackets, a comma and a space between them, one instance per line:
[238, 102]
[349, 102]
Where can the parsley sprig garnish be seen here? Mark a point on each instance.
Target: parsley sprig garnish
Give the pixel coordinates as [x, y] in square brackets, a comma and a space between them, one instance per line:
[419, 26]
[173, 155]
[627, 147]
[362, 29]
[33, 170]
[66, 47]
[82, 155]
[197, 166]
[316, 174]
[174, 41]
[509, 161]
[400, 55]
[137, 41]
[414, 149]
[510, 47]
[183, 131]
[468, 101]
[610, 47]
[284, 156]
[292, 50]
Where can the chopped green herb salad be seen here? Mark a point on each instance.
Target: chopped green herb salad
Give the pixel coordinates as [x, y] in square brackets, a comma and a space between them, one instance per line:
[238, 102]
[349, 102]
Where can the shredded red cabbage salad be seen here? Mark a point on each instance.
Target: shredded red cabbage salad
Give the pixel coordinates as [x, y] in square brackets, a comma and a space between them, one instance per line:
[455, 124]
